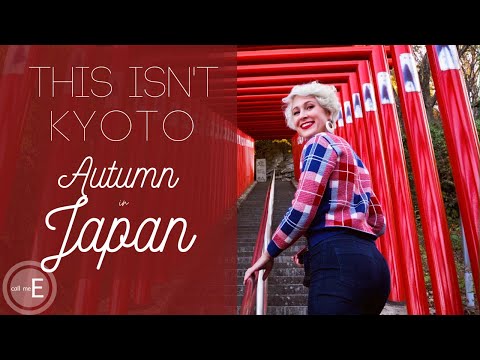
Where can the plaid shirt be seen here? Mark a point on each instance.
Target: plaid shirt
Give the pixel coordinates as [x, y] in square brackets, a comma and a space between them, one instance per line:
[334, 190]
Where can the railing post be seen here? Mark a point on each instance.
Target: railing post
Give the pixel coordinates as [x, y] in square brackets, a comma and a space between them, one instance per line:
[261, 308]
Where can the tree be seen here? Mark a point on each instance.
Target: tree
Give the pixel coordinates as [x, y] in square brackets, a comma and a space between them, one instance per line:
[469, 56]
[470, 59]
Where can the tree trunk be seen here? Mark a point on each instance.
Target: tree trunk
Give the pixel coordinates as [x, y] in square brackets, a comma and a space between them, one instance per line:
[429, 96]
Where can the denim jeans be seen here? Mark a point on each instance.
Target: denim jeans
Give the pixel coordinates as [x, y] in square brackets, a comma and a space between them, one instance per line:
[348, 275]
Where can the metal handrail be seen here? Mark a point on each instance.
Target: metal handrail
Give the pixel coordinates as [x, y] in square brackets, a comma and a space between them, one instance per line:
[255, 287]
[262, 284]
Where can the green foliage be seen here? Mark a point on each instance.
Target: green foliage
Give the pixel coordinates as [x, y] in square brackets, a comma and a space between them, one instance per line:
[445, 173]
[284, 145]
[444, 169]
[275, 152]
[450, 202]
[282, 141]
[456, 238]
[267, 148]
[261, 147]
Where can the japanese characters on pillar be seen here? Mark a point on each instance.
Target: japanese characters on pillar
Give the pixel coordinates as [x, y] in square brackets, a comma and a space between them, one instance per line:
[346, 118]
[352, 122]
[340, 122]
[358, 122]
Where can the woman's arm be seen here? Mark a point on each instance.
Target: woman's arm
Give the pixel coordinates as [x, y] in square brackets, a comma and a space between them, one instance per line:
[319, 160]
[375, 218]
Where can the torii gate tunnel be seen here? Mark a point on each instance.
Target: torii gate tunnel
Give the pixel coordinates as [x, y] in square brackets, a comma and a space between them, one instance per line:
[36, 158]
[370, 122]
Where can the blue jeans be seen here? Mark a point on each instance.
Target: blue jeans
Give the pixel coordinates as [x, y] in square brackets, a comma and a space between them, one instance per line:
[348, 275]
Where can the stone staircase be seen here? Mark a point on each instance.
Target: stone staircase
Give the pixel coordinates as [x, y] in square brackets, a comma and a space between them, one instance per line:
[286, 293]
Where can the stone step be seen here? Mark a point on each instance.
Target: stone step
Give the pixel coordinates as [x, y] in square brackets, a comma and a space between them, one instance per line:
[280, 289]
[286, 310]
[278, 271]
[389, 309]
[282, 261]
[285, 280]
[287, 300]
[278, 280]
[394, 308]
[292, 279]
[286, 294]
[293, 249]
[282, 310]
[245, 251]
[250, 244]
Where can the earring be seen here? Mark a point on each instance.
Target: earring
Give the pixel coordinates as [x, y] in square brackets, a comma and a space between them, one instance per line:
[330, 126]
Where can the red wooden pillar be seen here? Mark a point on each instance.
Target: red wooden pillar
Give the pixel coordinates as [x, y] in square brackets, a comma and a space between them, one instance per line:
[15, 93]
[462, 144]
[430, 201]
[347, 116]
[381, 184]
[358, 121]
[340, 129]
[297, 146]
[405, 225]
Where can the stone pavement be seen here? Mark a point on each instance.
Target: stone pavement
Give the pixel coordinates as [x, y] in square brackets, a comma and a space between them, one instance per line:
[394, 308]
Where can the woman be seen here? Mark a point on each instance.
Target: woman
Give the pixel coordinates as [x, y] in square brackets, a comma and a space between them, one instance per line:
[336, 209]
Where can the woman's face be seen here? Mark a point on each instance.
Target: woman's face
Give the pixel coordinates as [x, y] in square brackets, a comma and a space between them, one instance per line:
[309, 117]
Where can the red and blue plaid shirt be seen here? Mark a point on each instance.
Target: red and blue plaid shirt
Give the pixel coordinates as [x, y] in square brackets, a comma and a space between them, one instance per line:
[334, 190]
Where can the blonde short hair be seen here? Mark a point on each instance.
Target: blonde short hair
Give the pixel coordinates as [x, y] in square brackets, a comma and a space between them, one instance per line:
[326, 96]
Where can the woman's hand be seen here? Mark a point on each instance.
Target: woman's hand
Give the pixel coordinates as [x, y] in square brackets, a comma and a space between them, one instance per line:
[298, 258]
[264, 262]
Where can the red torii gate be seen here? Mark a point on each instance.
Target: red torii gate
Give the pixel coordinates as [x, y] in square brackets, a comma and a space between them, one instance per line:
[390, 248]
[396, 274]
[447, 299]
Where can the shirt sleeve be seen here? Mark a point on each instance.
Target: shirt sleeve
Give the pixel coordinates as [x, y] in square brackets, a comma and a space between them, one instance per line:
[376, 218]
[319, 160]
